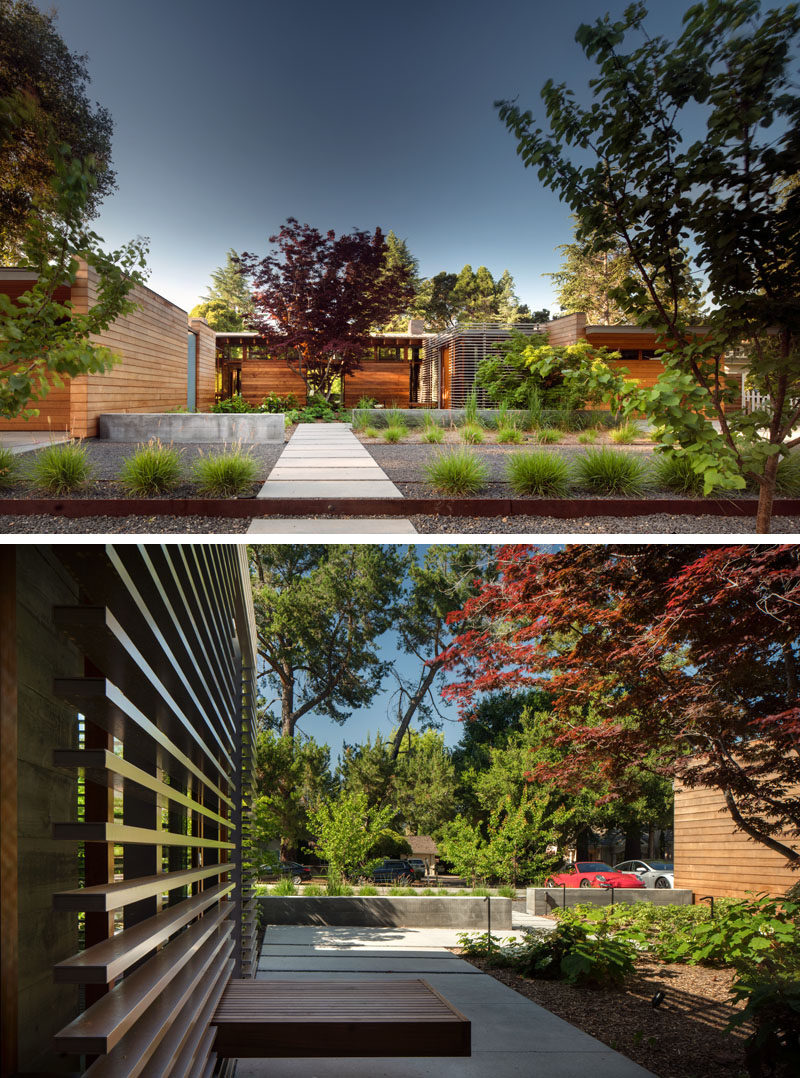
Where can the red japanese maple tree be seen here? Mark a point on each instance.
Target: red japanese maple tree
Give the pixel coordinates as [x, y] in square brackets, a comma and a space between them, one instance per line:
[683, 659]
[318, 296]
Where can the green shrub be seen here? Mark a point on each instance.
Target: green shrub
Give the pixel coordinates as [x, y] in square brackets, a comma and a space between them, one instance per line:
[314, 889]
[507, 891]
[480, 892]
[9, 466]
[428, 891]
[273, 403]
[587, 437]
[472, 434]
[672, 472]
[224, 474]
[612, 471]
[236, 403]
[153, 469]
[284, 886]
[772, 1008]
[395, 433]
[481, 944]
[509, 435]
[624, 435]
[61, 468]
[367, 890]
[572, 952]
[787, 481]
[538, 472]
[457, 472]
[550, 435]
[366, 402]
[338, 888]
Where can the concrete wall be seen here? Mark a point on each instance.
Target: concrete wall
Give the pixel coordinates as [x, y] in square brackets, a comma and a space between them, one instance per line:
[192, 427]
[45, 794]
[384, 912]
[543, 900]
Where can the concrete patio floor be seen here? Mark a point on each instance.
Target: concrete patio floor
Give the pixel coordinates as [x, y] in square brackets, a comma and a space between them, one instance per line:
[25, 441]
[511, 1036]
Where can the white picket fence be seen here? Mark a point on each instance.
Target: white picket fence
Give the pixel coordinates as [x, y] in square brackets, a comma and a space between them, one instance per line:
[753, 401]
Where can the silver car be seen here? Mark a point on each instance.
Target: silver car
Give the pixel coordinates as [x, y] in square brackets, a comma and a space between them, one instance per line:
[651, 873]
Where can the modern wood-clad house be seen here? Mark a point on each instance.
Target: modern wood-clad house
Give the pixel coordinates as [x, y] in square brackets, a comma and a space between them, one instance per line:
[167, 361]
[713, 858]
[127, 712]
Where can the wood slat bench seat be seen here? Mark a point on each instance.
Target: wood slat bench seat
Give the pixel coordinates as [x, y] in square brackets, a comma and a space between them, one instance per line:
[299, 1019]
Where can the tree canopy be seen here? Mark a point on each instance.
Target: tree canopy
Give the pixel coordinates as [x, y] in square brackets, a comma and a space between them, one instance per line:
[318, 297]
[227, 305]
[678, 660]
[470, 296]
[35, 61]
[693, 146]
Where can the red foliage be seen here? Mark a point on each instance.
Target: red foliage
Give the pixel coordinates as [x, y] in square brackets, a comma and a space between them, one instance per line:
[318, 297]
[683, 659]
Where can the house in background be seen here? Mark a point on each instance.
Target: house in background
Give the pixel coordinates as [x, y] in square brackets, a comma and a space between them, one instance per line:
[424, 847]
[167, 361]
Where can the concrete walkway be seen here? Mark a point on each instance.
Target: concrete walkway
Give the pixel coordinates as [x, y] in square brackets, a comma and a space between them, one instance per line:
[25, 441]
[511, 1036]
[326, 460]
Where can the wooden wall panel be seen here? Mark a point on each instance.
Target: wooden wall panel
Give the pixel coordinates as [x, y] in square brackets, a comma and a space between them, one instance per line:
[263, 376]
[206, 363]
[566, 330]
[713, 858]
[387, 381]
[645, 372]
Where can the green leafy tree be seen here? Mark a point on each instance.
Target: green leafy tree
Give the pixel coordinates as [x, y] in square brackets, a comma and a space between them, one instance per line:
[369, 768]
[227, 305]
[346, 832]
[469, 296]
[399, 258]
[41, 339]
[642, 177]
[35, 61]
[425, 784]
[463, 846]
[319, 613]
[292, 774]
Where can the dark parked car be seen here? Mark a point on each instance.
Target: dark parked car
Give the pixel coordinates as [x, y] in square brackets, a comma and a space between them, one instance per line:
[297, 873]
[418, 865]
[394, 872]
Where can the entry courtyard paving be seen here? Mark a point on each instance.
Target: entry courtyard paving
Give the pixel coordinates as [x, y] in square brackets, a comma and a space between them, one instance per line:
[511, 1036]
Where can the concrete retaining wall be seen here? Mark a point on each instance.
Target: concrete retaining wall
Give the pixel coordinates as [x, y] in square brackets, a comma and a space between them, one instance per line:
[543, 900]
[226, 429]
[384, 912]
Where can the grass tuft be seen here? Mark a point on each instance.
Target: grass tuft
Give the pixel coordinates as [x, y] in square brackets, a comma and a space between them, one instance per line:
[9, 466]
[549, 435]
[153, 469]
[224, 474]
[509, 435]
[675, 473]
[587, 437]
[539, 473]
[457, 472]
[472, 434]
[433, 434]
[62, 468]
[395, 432]
[611, 471]
[624, 435]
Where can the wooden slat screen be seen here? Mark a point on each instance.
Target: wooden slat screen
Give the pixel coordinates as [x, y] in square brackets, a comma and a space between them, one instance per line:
[168, 706]
[462, 348]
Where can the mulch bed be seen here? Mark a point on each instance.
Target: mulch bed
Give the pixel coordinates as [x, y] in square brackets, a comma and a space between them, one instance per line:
[683, 1038]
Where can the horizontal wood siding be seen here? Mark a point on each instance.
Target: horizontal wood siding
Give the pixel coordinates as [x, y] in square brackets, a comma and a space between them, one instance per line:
[152, 375]
[566, 330]
[263, 376]
[610, 337]
[386, 381]
[206, 363]
[644, 372]
[713, 858]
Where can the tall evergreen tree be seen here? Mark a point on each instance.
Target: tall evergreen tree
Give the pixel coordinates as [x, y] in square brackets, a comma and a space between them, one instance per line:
[399, 258]
[227, 305]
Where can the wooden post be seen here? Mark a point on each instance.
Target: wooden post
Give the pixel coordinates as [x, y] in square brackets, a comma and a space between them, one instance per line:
[9, 927]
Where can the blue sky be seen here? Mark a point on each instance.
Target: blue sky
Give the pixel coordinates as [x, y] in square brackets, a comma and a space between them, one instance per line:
[231, 117]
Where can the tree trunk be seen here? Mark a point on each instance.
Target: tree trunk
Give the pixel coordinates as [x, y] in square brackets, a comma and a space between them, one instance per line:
[766, 496]
[413, 704]
[287, 705]
[582, 846]
[651, 842]
[633, 843]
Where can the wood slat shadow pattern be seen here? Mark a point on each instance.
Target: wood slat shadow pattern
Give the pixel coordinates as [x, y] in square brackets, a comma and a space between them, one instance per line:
[166, 714]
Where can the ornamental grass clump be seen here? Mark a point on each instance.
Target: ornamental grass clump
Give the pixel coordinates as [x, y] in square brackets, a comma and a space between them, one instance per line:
[587, 437]
[550, 435]
[611, 471]
[539, 473]
[431, 431]
[224, 474]
[509, 435]
[61, 468]
[472, 434]
[457, 472]
[624, 435]
[395, 432]
[9, 466]
[153, 469]
[675, 473]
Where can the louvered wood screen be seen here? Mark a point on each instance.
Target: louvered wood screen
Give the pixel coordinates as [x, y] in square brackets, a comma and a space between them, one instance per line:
[468, 343]
[167, 733]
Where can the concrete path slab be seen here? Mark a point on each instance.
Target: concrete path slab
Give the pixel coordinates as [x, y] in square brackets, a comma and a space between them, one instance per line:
[511, 1036]
[312, 527]
[25, 441]
[326, 462]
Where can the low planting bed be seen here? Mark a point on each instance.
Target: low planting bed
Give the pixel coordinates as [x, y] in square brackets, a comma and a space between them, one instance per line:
[543, 900]
[191, 427]
[432, 911]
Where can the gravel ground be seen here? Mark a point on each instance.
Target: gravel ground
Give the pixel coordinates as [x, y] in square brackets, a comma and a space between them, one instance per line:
[655, 523]
[155, 525]
[683, 1038]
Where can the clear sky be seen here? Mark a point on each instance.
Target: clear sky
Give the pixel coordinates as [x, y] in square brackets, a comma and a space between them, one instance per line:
[231, 117]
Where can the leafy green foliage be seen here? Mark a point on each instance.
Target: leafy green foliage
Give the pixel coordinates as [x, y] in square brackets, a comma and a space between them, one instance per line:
[227, 305]
[457, 472]
[274, 403]
[284, 886]
[9, 467]
[611, 471]
[224, 474]
[42, 339]
[624, 434]
[61, 468]
[540, 473]
[316, 408]
[153, 469]
[234, 404]
[346, 831]
[674, 472]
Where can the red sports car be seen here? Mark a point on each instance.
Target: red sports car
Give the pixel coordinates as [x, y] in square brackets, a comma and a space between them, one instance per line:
[592, 874]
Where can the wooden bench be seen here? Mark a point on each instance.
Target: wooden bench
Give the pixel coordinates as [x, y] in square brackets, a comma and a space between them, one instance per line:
[298, 1019]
